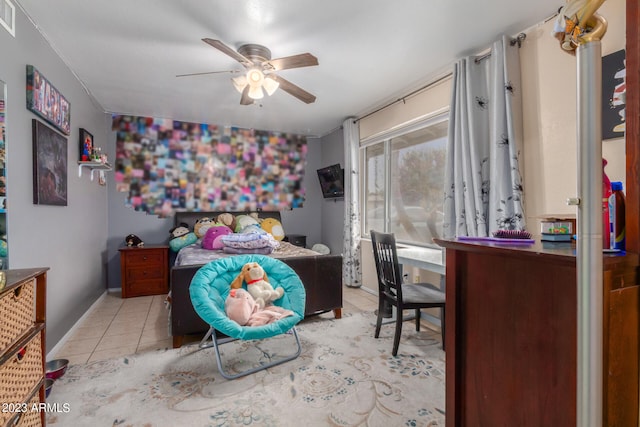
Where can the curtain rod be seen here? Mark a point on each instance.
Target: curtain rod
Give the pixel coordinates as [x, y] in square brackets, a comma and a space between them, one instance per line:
[515, 41]
[427, 86]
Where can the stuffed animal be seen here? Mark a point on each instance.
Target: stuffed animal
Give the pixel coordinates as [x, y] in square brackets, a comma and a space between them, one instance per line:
[213, 237]
[201, 226]
[273, 227]
[244, 221]
[257, 284]
[242, 309]
[181, 237]
[133, 240]
[227, 219]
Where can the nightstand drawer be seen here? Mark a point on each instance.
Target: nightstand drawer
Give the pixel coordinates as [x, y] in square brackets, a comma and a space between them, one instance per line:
[144, 273]
[145, 257]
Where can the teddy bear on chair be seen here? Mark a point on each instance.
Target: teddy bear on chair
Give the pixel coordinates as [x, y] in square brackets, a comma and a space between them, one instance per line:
[257, 284]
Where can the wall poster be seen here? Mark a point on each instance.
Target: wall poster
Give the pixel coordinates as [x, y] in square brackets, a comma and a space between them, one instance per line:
[168, 165]
[49, 166]
[45, 100]
[614, 90]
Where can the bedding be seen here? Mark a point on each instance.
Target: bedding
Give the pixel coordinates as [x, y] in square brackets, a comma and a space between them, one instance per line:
[321, 275]
[195, 254]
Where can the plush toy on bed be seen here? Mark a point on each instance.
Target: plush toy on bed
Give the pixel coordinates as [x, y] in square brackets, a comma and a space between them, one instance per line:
[227, 219]
[242, 309]
[246, 223]
[181, 237]
[202, 225]
[257, 284]
[133, 241]
[273, 227]
[213, 237]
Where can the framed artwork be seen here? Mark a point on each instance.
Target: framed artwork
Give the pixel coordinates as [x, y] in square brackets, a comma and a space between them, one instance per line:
[86, 145]
[614, 91]
[45, 100]
[49, 166]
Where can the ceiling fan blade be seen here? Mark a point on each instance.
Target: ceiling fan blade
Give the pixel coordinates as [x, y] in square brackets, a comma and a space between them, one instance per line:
[227, 50]
[295, 61]
[294, 90]
[246, 100]
[209, 72]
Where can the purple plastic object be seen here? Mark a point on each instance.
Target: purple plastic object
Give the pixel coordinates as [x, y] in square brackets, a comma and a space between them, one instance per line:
[495, 240]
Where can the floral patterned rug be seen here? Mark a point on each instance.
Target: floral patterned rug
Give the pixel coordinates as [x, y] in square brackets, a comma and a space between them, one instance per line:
[344, 377]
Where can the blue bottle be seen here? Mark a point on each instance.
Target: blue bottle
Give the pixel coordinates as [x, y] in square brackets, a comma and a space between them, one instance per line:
[617, 217]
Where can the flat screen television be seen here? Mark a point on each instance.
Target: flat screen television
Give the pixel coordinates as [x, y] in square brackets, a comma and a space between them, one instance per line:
[331, 181]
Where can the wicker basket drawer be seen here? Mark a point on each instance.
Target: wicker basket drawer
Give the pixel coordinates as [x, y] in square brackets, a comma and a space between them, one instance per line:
[17, 312]
[20, 374]
[29, 416]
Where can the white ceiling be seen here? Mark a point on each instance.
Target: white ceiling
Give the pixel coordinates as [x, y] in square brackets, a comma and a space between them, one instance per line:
[128, 53]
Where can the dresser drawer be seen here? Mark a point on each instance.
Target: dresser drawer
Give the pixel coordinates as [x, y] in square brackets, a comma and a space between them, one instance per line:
[144, 273]
[17, 312]
[20, 374]
[30, 414]
[146, 257]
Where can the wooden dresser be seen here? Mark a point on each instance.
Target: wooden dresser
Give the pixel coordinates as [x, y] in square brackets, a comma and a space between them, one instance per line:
[144, 271]
[22, 347]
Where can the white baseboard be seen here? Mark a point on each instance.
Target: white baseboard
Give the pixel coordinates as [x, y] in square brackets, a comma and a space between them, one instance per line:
[76, 325]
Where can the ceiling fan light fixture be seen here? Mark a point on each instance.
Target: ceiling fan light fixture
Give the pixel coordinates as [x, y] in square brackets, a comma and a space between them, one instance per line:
[270, 85]
[239, 83]
[255, 92]
[255, 77]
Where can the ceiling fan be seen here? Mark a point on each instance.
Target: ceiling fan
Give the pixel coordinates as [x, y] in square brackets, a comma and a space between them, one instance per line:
[261, 71]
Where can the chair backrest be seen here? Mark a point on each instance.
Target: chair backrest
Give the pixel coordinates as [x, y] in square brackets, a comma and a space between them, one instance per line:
[387, 265]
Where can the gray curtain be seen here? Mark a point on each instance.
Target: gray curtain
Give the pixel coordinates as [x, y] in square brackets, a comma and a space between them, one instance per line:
[483, 173]
[351, 271]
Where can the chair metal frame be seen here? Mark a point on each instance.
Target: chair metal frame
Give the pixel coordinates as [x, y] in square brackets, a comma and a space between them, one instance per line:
[217, 342]
[390, 288]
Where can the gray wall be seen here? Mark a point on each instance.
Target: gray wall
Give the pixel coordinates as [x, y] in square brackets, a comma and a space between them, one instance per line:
[333, 209]
[70, 240]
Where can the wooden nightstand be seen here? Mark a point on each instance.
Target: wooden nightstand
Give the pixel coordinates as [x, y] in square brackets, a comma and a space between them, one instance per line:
[144, 271]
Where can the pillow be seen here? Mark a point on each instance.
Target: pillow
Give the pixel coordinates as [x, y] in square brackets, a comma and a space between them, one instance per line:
[274, 227]
[213, 237]
[249, 241]
[178, 243]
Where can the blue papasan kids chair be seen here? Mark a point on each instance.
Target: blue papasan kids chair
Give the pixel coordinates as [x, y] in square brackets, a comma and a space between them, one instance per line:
[210, 287]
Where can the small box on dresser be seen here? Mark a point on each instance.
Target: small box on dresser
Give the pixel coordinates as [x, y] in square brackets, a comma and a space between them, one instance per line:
[144, 271]
[22, 347]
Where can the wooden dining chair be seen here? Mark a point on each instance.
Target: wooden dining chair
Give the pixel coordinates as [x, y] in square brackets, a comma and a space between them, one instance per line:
[391, 290]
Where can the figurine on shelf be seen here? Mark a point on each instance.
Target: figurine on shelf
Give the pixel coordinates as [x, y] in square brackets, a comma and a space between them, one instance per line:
[86, 149]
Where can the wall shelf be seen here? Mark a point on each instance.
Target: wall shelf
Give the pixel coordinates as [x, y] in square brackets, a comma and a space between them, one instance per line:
[93, 166]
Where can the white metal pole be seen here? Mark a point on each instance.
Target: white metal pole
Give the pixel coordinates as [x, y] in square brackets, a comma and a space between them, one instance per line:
[590, 235]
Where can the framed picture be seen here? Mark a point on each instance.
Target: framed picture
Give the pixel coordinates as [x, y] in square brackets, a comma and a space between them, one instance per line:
[45, 100]
[86, 145]
[49, 166]
[614, 90]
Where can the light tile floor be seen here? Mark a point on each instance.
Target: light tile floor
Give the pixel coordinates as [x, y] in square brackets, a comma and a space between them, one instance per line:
[120, 327]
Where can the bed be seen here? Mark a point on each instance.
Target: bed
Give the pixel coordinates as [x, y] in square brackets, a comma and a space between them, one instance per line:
[320, 274]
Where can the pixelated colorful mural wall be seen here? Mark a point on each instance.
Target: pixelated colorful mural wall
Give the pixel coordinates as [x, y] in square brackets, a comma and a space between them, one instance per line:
[168, 165]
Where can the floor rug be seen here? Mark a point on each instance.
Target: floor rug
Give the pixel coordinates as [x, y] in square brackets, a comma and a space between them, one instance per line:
[344, 377]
